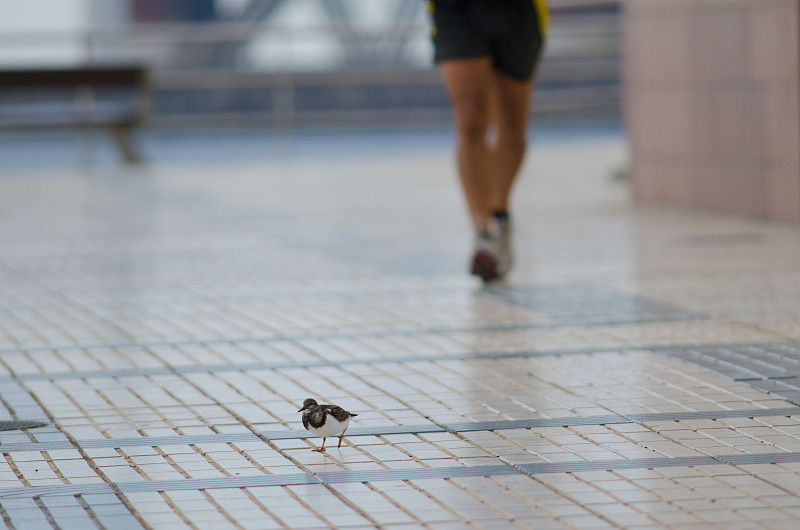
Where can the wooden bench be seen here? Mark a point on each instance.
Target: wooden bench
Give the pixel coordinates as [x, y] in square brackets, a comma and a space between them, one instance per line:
[116, 98]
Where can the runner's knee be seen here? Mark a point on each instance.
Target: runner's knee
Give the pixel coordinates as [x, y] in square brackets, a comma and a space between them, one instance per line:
[472, 120]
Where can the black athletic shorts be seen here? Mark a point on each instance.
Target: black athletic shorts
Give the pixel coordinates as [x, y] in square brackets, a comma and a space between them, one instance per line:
[511, 32]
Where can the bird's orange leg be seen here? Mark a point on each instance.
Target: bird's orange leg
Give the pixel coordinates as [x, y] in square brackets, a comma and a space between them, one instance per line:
[321, 449]
[340, 437]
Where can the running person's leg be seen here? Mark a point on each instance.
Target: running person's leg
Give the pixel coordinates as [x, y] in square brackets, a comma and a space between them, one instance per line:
[468, 83]
[510, 100]
[516, 45]
[482, 97]
[487, 53]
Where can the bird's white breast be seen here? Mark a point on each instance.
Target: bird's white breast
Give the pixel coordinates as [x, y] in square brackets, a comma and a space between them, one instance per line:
[332, 427]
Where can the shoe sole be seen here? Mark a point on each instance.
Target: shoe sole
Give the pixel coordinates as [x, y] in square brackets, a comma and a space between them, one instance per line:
[484, 266]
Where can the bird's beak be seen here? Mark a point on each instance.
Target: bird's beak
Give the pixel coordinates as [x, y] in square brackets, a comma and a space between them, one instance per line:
[301, 410]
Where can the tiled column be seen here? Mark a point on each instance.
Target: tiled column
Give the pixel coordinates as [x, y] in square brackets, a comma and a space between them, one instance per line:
[712, 100]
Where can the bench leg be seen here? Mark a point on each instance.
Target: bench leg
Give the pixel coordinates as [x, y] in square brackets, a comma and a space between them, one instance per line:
[124, 138]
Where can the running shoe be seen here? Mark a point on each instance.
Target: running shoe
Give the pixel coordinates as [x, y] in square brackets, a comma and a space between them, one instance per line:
[493, 256]
[501, 227]
[484, 258]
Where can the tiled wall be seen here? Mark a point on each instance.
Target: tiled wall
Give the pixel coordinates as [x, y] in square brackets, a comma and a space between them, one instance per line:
[712, 102]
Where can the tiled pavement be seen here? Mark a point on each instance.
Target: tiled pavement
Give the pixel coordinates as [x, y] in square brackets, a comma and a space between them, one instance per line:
[640, 368]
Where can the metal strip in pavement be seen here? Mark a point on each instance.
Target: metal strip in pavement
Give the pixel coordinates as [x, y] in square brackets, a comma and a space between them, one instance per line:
[612, 465]
[59, 445]
[536, 423]
[52, 491]
[533, 423]
[712, 415]
[758, 458]
[344, 477]
[289, 479]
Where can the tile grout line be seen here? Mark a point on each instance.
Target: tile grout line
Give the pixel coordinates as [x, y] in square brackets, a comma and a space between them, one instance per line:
[636, 310]
[178, 370]
[346, 335]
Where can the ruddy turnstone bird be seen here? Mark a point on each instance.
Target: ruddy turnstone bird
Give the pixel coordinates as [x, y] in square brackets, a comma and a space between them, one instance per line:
[325, 420]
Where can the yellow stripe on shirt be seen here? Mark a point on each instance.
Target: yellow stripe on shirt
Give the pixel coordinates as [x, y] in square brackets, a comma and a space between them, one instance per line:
[543, 14]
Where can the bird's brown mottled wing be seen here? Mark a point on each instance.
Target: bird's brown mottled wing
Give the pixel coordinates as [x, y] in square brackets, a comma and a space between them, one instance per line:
[338, 412]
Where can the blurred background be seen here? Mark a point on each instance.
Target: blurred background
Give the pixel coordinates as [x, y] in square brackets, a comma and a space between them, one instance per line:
[301, 63]
[709, 90]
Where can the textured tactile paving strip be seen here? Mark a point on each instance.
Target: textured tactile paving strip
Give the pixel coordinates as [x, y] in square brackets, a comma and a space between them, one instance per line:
[316, 363]
[686, 353]
[588, 305]
[67, 507]
[297, 317]
[772, 368]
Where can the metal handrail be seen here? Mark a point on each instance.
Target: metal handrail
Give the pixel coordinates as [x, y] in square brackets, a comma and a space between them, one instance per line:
[224, 31]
